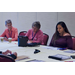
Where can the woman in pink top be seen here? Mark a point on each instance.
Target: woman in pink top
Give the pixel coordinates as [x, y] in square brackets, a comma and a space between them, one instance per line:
[35, 35]
[10, 32]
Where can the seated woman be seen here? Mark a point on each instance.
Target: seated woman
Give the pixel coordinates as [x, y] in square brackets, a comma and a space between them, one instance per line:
[13, 55]
[35, 35]
[10, 32]
[62, 37]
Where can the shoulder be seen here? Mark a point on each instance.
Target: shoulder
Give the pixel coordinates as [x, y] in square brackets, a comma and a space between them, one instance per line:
[6, 30]
[14, 28]
[29, 30]
[40, 31]
[66, 34]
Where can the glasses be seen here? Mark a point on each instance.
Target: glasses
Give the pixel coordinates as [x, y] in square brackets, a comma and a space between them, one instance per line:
[8, 25]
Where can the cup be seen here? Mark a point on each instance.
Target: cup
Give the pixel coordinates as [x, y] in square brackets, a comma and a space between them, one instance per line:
[9, 39]
[2, 39]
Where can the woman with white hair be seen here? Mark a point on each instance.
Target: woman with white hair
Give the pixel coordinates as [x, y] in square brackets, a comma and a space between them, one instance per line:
[10, 32]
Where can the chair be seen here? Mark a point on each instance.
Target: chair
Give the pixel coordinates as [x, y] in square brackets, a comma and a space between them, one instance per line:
[5, 58]
[73, 38]
[45, 38]
[22, 33]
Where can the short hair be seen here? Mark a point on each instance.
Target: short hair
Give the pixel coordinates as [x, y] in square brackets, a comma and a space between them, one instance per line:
[7, 22]
[36, 24]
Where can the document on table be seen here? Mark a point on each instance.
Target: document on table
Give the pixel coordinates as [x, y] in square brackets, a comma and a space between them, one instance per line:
[60, 57]
[70, 51]
[35, 61]
[21, 58]
[52, 48]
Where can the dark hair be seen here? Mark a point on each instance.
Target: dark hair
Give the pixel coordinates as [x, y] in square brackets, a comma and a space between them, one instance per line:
[56, 34]
[36, 24]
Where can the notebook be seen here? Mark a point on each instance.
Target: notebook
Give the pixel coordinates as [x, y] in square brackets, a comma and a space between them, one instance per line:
[59, 57]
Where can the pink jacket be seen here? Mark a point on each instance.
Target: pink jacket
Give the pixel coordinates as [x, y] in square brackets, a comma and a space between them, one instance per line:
[38, 37]
[14, 34]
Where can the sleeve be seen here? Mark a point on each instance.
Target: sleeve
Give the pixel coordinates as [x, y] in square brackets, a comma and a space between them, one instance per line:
[13, 56]
[27, 34]
[39, 39]
[16, 35]
[3, 35]
[69, 42]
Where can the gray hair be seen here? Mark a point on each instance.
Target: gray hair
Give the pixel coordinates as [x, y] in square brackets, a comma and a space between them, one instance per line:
[36, 24]
[7, 22]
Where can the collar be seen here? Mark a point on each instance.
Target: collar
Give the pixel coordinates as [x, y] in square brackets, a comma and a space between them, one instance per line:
[12, 29]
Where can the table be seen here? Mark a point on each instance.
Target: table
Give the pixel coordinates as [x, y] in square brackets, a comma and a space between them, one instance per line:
[29, 51]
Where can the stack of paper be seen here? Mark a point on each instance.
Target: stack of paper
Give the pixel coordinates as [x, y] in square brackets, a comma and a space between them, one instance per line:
[48, 47]
[70, 51]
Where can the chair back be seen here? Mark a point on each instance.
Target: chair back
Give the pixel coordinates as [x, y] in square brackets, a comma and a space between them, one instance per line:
[5, 58]
[22, 33]
[73, 38]
[45, 38]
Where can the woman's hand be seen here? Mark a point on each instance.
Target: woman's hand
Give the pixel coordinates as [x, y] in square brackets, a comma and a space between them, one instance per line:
[6, 52]
[5, 39]
[30, 42]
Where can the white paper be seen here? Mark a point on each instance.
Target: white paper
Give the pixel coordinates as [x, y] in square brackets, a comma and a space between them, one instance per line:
[36, 61]
[70, 51]
[47, 47]
[62, 56]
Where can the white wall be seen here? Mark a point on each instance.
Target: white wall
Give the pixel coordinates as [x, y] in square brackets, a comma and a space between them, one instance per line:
[23, 21]
[12, 16]
[1, 23]
[48, 21]
[69, 19]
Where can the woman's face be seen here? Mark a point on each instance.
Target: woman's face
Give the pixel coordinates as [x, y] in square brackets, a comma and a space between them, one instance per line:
[60, 29]
[35, 29]
[9, 26]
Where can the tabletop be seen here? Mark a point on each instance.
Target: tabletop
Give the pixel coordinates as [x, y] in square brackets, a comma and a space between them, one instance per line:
[45, 51]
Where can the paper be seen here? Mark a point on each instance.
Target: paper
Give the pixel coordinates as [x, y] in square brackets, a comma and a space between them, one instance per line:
[63, 57]
[47, 47]
[36, 61]
[21, 58]
[70, 51]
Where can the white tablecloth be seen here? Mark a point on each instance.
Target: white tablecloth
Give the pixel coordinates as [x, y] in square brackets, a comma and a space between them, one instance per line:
[29, 51]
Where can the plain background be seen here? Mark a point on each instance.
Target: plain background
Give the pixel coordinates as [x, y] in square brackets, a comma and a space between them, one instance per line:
[23, 21]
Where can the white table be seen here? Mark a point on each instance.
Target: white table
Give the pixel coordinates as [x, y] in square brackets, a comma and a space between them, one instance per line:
[29, 51]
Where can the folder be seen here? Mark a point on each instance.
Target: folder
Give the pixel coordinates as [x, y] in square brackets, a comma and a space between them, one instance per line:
[59, 57]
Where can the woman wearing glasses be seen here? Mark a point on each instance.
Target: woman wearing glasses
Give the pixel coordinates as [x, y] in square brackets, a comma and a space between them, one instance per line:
[10, 32]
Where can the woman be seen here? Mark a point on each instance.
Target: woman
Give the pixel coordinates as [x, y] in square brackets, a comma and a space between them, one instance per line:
[10, 32]
[35, 35]
[62, 37]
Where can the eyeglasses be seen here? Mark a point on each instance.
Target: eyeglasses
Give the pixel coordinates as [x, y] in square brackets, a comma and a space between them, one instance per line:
[8, 25]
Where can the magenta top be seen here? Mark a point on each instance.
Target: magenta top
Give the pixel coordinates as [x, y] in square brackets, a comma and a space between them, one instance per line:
[36, 38]
[63, 42]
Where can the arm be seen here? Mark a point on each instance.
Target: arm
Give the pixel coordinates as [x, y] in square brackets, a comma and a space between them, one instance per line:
[13, 55]
[69, 42]
[16, 35]
[27, 34]
[3, 35]
[39, 39]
